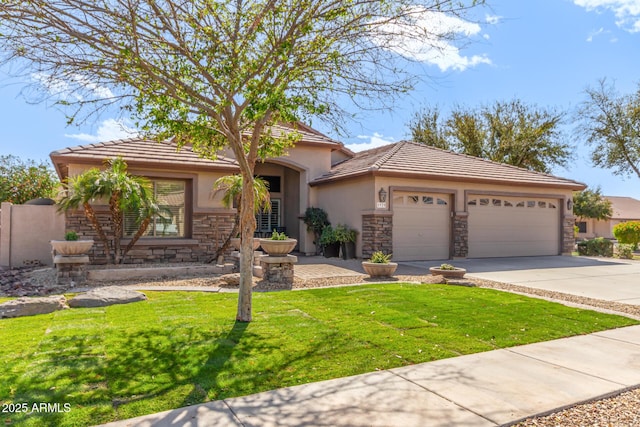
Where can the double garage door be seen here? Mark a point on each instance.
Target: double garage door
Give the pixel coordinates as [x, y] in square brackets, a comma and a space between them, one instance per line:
[498, 226]
[513, 226]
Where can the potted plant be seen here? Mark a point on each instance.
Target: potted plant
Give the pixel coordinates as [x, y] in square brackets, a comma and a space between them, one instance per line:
[235, 243]
[278, 245]
[448, 271]
[316, 220]
[329, 242]
[347, 238]
[71, 245]
[379, 265]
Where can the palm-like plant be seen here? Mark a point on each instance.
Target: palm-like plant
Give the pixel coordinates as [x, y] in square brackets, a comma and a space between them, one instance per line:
[125, 194]
[231, 186]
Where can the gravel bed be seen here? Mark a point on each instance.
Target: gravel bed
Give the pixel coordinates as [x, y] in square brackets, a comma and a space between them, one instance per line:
[616, 411]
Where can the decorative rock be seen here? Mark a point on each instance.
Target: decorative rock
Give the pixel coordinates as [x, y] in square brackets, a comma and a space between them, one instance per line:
[434, 280]
[32, 306]
[232, 279]
[460, 282]
[102, 297]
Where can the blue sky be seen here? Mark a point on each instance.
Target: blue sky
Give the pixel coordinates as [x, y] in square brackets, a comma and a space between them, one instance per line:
[545, 52]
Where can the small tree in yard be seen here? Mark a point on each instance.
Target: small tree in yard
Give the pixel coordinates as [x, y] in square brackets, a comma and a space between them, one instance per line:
[591, 204]
[125, 194]
[21, 181]
[628, 233]
[218, 74]
[231, 186]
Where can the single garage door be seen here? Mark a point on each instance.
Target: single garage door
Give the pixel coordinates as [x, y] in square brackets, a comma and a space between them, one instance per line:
[513, 226]
[421, 226]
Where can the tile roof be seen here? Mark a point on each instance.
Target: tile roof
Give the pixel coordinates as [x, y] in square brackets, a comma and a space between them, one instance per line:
[136, 152]
[411, 159]
[624, 207]
[165, 154]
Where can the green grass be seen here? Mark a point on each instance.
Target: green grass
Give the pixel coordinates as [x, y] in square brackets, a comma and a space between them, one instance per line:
[178, 349]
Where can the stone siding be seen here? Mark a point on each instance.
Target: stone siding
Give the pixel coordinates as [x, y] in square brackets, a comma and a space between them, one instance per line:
[209, 230]
[568, 235]
[461, 235]
[377, 233]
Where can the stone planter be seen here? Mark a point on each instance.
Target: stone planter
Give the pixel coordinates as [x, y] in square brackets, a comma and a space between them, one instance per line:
[375, 269]
[71, 247]
[278, 247]
[235, 242]
[458, 273]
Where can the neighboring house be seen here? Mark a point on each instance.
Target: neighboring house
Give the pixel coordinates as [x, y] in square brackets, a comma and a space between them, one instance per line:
[624, 209]
[414, 201]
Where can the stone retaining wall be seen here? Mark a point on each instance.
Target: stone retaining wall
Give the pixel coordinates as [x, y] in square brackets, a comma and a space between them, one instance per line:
[209, 230]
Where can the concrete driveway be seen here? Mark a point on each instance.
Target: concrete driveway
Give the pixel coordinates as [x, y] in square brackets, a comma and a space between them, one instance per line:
[605, 279]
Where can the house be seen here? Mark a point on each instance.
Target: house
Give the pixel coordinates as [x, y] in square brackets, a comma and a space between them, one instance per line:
[414, 201]
[624, 209]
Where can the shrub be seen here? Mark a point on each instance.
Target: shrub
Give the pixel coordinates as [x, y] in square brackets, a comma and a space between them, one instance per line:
[379, 257]
[278, 236]
[329, 236]
[71, 236]
[447, 267]
[628, 233]
[624, 251]
[345, 234]
[596, 247]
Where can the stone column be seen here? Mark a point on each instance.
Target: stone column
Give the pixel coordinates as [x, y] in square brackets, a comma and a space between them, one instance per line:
[377, 233]
[277, 273]
[460, 234]
[71, 269]
[568, 236]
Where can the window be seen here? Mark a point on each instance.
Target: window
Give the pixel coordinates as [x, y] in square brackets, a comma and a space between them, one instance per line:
[472, 202]
[496, 202]
[170, 219]
[427, 200]
[273, 182]
[508, 204]
[582, 226]
[442, 202]
[267, 221]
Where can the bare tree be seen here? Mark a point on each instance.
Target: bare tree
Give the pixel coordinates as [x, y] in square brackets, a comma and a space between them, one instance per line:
[610, 122]
[216, 73]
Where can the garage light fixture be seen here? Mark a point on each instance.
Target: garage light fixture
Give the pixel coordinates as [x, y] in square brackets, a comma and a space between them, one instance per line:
[569, 204]
[382, 195]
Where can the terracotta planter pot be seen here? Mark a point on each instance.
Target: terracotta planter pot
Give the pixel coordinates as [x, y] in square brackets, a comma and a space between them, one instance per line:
[235, 242]
[71, 247]
[375, 269]
[278, 247]
[458, 273]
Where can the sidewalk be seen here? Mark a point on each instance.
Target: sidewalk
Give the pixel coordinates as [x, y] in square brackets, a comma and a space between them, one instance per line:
[484, 389]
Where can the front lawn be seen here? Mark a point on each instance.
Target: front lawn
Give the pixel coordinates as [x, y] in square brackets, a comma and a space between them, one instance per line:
[178, 349]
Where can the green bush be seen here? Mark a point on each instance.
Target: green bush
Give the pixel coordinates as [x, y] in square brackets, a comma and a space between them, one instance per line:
[71, 236]
[628, 233]
[328, 236]
[278, 236]
[345, 234]
[624, 251]
[596, 247]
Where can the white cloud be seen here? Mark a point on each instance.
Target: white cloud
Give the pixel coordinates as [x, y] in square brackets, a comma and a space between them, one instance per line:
[373, 141]
[627, 12]
[595, 34]
[428, 37]
[64, 89]
[109, 130]
[492, 19]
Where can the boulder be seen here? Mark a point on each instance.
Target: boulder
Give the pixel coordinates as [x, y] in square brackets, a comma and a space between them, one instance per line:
[434, 280]
[30, 306]
[102, 297]
[232, 279]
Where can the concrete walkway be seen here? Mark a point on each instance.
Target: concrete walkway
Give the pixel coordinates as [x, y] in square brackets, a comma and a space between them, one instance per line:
[484, 389]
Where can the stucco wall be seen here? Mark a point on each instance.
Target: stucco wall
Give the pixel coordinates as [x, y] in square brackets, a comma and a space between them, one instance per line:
[25, 232]
[346, 202]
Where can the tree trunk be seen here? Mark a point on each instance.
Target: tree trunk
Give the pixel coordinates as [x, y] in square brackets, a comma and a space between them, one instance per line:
[143, 227]
[247, 228]
[227, 242]
[116, 218]
[91, 216]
